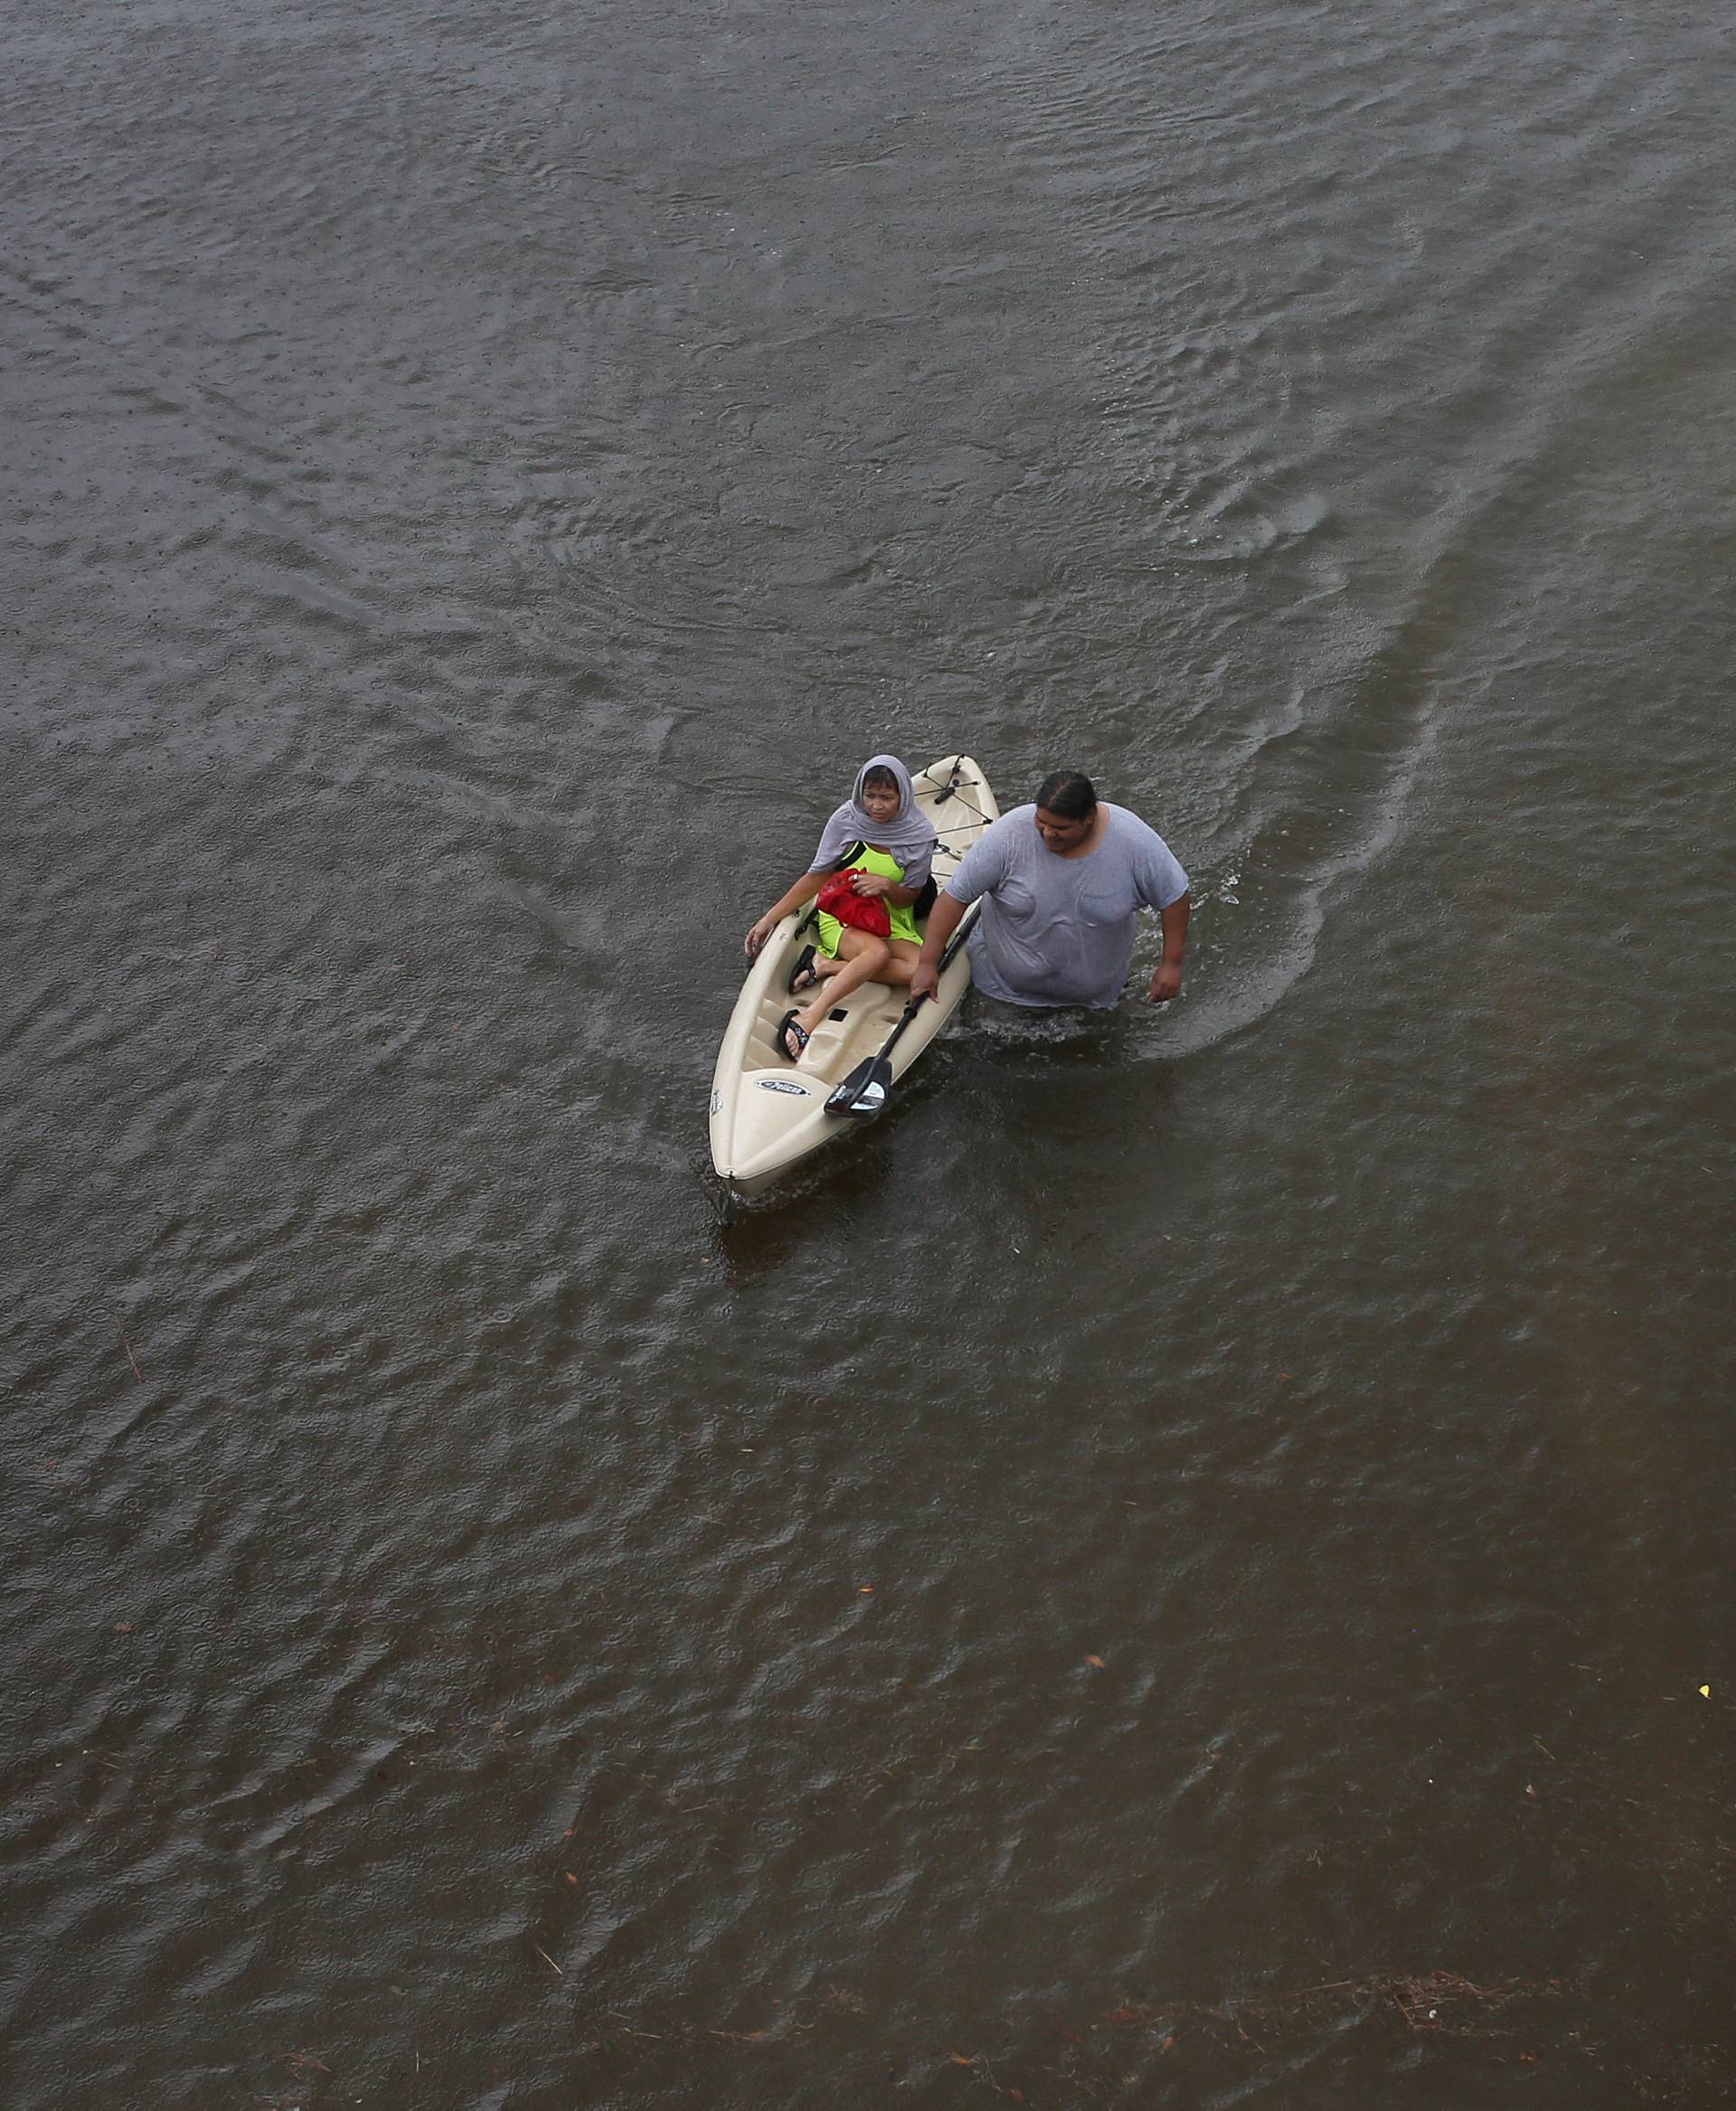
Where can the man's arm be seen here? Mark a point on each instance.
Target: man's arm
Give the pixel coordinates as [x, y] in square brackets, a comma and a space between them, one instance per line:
[1167, 981]
[944, 919]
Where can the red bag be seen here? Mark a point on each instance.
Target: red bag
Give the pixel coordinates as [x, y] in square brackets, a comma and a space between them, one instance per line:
[867, 912]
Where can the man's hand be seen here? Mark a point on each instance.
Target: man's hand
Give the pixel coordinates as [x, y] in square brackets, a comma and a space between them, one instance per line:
[1167, 981]
[944, 919]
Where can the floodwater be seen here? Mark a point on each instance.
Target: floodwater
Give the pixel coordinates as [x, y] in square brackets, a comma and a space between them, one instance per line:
[1190, 1565]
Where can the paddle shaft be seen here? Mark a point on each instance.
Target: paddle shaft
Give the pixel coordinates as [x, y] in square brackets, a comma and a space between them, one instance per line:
[916, 1004]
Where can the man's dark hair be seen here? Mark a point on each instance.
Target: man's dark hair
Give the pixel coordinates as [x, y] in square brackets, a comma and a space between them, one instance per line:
[1068, 794]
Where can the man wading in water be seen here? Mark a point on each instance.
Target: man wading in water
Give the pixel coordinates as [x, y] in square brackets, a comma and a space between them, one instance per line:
[1061, 883]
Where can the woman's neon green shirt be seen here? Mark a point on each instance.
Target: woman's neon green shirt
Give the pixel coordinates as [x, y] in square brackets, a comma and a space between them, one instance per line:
[869, 859]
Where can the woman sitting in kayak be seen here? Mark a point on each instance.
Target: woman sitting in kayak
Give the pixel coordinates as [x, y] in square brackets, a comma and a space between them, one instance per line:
[880, 838]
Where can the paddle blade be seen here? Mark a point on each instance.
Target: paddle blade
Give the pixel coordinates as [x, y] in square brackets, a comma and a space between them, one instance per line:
[864, 1092]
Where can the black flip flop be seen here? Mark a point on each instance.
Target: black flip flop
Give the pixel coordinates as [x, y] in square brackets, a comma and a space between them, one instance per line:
[786, 1026]
[804, 966]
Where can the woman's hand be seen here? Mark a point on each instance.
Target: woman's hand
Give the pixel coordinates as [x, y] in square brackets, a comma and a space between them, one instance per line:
[872, 883]
[757, 934]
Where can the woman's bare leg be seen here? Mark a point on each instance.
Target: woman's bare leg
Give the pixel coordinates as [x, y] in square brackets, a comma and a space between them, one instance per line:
[900, 963]
[861, 958]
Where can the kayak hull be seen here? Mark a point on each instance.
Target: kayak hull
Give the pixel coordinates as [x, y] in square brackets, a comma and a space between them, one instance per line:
[769, 1115]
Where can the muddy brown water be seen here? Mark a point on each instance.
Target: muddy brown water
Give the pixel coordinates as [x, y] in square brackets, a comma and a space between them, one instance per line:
[1181, 1567]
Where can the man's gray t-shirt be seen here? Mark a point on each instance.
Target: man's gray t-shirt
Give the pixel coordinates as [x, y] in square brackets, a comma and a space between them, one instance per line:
[1057, 930]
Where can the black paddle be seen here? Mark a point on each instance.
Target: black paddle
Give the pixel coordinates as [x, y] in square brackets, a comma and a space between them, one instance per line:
[864, 1092]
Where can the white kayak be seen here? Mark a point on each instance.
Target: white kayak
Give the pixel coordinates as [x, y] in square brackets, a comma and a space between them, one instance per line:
[767, 1114]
